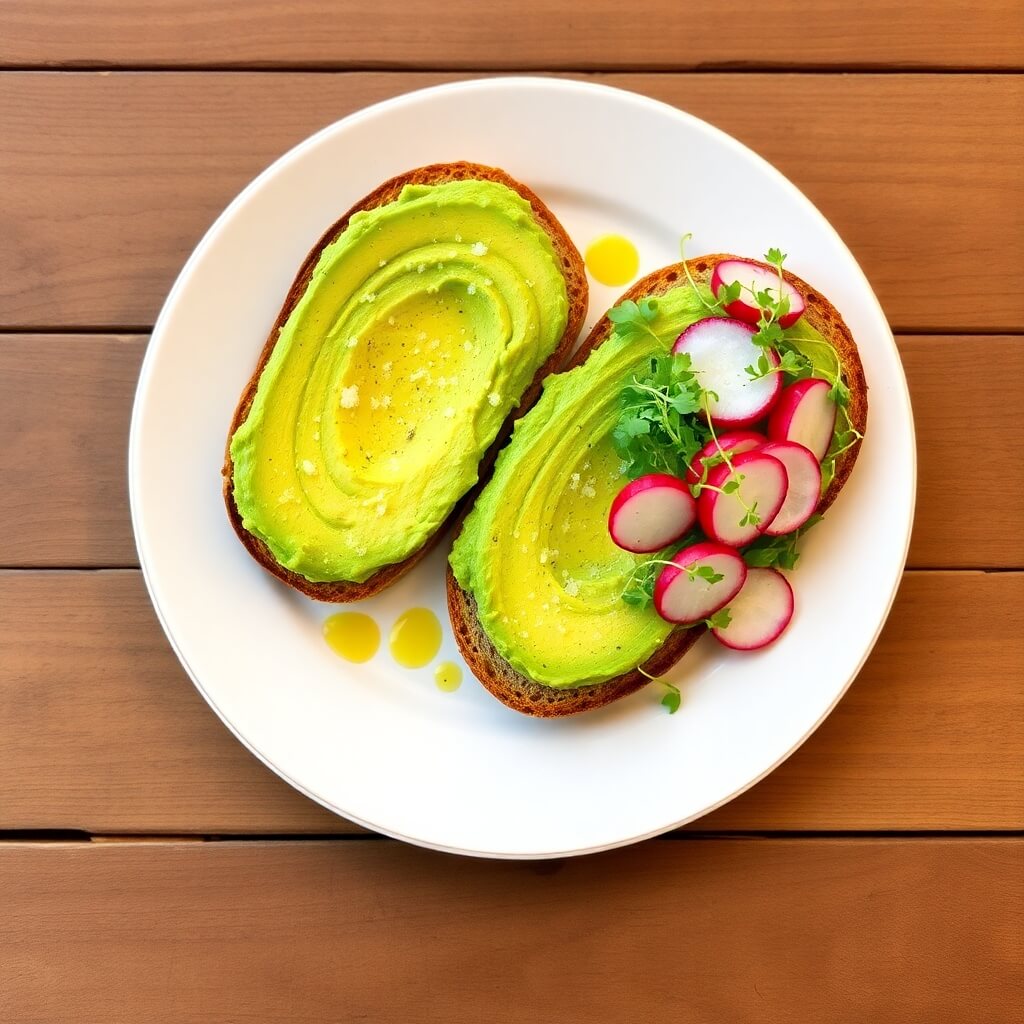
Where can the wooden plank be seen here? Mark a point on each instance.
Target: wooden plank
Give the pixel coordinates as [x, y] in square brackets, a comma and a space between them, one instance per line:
[65, 408]
[689, 932]
[101, 730]
[969, 496]
[76, 513]
[111, 179]
[530, 34]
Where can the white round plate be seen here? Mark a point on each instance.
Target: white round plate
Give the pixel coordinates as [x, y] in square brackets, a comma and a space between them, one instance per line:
[382, 745]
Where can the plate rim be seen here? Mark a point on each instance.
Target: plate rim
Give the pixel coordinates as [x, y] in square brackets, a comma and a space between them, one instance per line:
[499, 82]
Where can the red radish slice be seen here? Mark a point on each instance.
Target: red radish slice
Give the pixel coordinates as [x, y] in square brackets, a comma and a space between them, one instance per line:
[682, 592]
[762, 488]
[720, 351]
[804, 491]
[760, 612]
[735, 443]
[650, 512]
[757, 278]
[805, 414]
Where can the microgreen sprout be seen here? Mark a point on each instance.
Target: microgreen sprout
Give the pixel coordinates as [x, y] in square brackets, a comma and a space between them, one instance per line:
[657, 431]
[719, 620]
[751, 517]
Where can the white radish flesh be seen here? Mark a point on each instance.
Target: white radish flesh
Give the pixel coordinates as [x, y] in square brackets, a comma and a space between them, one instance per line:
[735, 442]
[740, 516]
[758, 279]
[804, 491]
[805, 414]
[650, 512]
[682, 591]
[760, 612]
[720, 351]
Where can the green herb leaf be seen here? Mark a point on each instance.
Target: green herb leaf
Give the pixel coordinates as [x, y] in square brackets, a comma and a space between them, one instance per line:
[704, 572]
[672, 699]
[640, 592]
[751, 517]
[776, 257]
[840, 393]
[729, 293]
[648, 308]
[658, 429]
[632, 319]
[778, 552]
[719, 620]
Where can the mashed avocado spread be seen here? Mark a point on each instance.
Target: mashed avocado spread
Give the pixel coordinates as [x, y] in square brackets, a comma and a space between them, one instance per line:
[535, 552]
[421, 326]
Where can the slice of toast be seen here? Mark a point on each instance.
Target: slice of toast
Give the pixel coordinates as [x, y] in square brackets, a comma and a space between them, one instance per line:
[523, 694]
[573, 271]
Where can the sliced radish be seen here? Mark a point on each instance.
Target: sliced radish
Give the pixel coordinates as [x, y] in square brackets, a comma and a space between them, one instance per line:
[758, 279]
[740, 516]
[684, 594]
[805, 414]
[804, 490]
[650, 512]
[760, 612]
[720, 351]
[736, 442]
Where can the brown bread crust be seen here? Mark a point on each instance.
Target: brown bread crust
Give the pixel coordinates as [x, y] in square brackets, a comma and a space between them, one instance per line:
[531, 698]
[573, 271]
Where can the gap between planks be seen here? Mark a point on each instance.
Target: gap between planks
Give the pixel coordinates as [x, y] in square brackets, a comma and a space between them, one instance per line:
[593, 68]
[72, 837]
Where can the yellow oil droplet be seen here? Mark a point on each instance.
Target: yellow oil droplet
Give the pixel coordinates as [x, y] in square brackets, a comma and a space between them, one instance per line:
[415, 637]
[612, 260]
[353, 635]
[448, 676]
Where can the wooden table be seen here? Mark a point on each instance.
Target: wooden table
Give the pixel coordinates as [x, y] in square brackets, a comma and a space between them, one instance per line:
[152, 870]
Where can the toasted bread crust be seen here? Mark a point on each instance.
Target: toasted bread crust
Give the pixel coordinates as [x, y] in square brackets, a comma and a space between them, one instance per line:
[531, 698]
[576, 290]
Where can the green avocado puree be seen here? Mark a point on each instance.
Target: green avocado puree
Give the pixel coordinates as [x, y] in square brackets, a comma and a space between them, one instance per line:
[535, 551]
[421, 326]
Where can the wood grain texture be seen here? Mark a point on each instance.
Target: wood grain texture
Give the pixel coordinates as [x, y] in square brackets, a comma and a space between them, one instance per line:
[65, 409]
[110, 179]
[76, 512]
[526, 34]
[744, 931]
[101, 730]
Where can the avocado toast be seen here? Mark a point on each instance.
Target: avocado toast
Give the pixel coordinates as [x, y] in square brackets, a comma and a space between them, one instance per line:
[535, 583]
[417, 327]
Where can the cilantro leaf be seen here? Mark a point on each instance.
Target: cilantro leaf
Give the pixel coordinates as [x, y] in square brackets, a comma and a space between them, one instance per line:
[632, 319]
